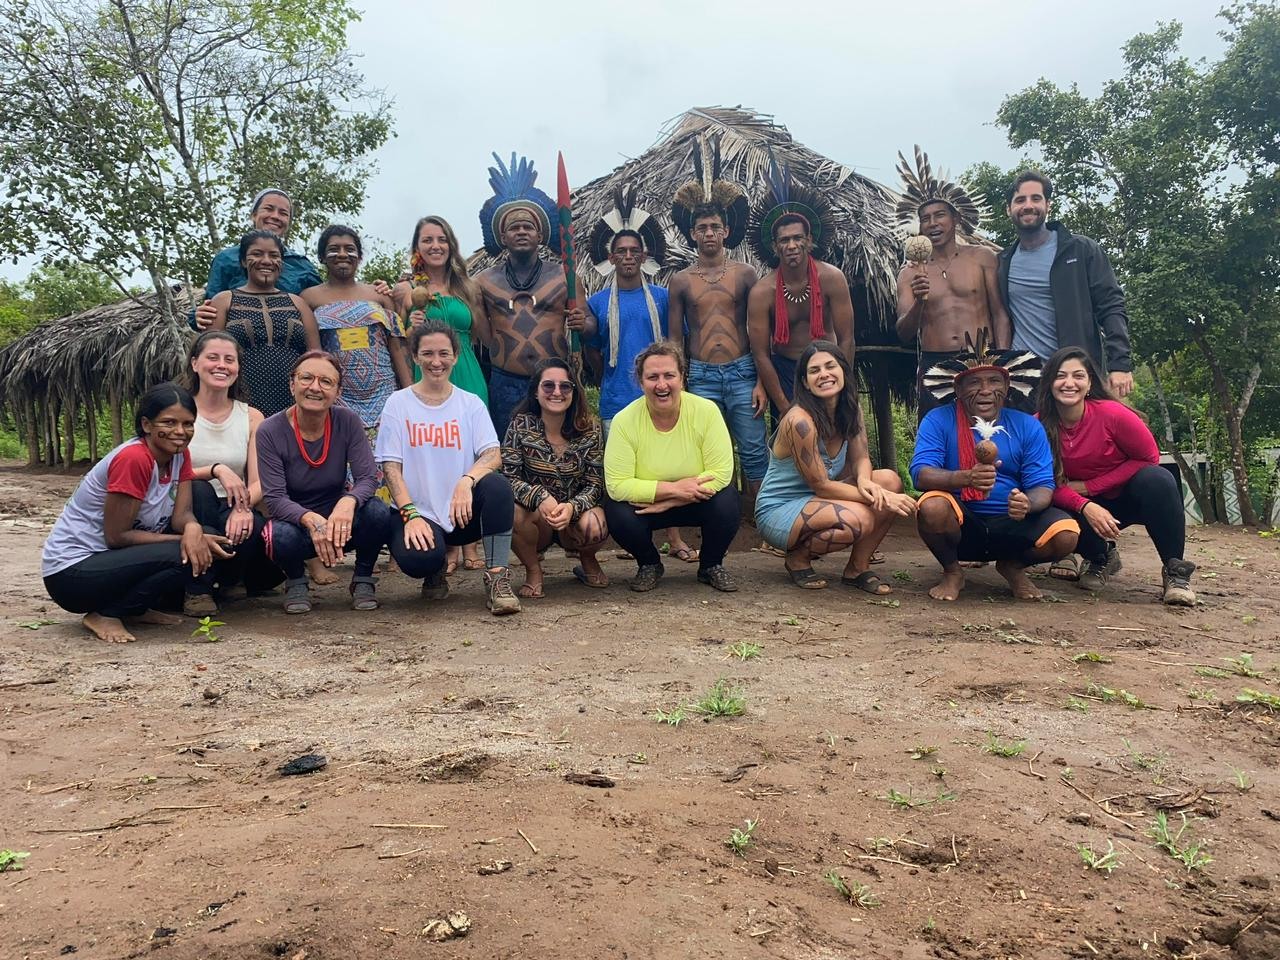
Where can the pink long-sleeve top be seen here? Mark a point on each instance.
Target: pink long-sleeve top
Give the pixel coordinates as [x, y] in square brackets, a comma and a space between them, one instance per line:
[1105, 449]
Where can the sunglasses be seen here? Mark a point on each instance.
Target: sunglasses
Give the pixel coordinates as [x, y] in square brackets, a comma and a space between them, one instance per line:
[548, 387]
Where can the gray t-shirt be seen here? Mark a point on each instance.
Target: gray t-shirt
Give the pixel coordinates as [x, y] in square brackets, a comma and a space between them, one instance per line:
[1035, 327]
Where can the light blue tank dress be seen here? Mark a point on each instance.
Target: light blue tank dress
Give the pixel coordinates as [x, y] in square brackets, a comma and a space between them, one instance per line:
[784, 493]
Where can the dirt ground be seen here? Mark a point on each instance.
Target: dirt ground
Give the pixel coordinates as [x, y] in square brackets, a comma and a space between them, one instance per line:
[142, 779]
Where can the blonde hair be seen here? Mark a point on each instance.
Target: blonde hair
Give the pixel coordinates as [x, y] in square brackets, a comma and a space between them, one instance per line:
[456, 277]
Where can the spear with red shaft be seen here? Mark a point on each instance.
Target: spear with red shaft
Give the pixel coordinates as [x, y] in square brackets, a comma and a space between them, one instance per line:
[564, 208]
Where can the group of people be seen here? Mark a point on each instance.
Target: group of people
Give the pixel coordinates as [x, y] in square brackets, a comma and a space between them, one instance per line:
[318, 417]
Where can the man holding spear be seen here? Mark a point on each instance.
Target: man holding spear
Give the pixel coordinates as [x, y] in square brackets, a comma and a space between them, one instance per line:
[526, 298]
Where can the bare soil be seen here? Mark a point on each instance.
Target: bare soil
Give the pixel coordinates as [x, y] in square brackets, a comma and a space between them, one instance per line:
[142, 779]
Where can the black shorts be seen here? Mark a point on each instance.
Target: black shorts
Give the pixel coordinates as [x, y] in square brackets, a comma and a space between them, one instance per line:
[1000, 537]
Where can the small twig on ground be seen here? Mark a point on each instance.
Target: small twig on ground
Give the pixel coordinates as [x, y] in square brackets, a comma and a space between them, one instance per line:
[1093, 948]
[1126, 629]
[527, 840]
[1247, 926]
[955, 856]
[28, 683]
[517, 733]
[118, 825]
[396, 856]
[410, 826]
[207, 733]
[927, 679]
[1126, 824]
[198, 806]
[1031, 766]
[352, 846]
[868, 856]
[65, 786]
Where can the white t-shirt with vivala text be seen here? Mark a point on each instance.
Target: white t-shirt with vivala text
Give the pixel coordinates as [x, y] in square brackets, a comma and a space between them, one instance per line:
[434, 445]
[129, 469]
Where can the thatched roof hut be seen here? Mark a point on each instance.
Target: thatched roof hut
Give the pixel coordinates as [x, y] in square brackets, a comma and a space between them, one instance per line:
[865, 247]
[75, 366]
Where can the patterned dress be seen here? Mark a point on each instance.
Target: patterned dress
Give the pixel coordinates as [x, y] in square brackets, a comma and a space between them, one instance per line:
[269, 330]
[535, 470]
[360, 333]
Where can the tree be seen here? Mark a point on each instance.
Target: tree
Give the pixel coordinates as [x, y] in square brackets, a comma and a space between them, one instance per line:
[1158, 170]
[135, 131]
[992, 184]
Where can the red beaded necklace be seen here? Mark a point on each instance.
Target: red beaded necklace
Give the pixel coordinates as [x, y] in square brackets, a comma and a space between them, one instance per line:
[302, 447]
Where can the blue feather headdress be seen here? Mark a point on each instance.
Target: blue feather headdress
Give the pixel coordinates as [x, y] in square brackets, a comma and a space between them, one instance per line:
[784, 195]
[513, 188]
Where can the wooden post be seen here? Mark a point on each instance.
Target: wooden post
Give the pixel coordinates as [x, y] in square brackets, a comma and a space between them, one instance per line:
[69, 431]
[117, 427]
[33, 431]
[91, 427]
[883, 404]
[50, 419]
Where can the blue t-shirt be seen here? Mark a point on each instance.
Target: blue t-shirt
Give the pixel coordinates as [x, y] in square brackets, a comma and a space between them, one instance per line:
[618, 385]
[1035, 325]
[1024, 458]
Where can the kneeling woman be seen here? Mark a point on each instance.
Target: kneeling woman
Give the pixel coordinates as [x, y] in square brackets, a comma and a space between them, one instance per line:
[553, 457]
[127, 540]
[442, 462]
[668, 462]
[1109, 474]
[304, 453]
[820, 494]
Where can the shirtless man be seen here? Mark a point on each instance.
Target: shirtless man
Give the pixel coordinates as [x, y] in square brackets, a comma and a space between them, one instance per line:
[524, 303]
[777, 346]
[709, 302]
[949, 298]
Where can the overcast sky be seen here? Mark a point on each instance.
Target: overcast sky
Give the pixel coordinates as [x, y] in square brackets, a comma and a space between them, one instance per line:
[855, 81]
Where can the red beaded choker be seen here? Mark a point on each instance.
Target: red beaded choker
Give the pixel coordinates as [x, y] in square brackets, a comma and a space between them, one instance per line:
[302, 447]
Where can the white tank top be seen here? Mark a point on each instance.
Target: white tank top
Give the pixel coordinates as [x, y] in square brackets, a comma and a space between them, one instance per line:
[226, 443]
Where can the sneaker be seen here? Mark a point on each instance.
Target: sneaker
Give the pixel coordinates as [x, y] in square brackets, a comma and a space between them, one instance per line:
[647, 577]
[1177, 583]
[297, 596]
[718, 577]
[1094, 576]
[501, 600]
[363, 593]
[1113, 564]
[436, 586]
[199, 605]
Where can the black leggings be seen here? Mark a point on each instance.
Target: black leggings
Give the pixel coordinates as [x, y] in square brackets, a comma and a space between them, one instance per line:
[717, 518]
[250, 563]
[127, 581]
[492, 516]
[1151, 498]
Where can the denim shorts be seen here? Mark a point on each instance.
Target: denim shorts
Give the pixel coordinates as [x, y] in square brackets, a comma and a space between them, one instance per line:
[730, 385]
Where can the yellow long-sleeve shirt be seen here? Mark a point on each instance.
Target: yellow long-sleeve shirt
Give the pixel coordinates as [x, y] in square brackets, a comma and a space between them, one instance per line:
[637, 455]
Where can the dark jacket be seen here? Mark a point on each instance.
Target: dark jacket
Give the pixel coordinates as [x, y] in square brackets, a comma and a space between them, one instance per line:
[1088, 303]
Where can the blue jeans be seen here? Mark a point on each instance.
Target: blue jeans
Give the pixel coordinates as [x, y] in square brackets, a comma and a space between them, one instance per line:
[289, 546]
[730, 385]
[506, 392]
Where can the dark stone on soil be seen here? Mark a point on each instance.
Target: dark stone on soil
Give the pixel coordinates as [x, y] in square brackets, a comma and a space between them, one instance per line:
[1176, 945]
[308, 763]
[1261, 941]
[591, 779]
[1255, 882]
[161, 932]
[1083, 819]
[1222, 932]
[68, 949]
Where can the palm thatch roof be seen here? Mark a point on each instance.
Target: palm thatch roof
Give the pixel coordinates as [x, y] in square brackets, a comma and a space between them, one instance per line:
[114, 350]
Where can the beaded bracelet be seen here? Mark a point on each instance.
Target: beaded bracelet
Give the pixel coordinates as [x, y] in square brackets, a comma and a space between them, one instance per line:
[409, 512]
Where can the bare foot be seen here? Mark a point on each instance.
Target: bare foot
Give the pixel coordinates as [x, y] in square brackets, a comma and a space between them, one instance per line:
[320, 575]
[949, 587]
[1019, 582]
[107, 629]
[158, 619]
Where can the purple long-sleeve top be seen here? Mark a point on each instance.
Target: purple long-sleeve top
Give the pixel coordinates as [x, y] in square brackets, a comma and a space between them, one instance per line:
[291, 487]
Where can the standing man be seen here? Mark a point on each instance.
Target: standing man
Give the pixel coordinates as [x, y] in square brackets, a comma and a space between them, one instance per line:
[626, 246]
[954, 296]
[525, 297]
[801, 298]
[1060, 288]
[709, 311]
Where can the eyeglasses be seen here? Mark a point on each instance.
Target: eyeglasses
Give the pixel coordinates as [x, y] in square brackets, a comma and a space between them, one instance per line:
[306, 379]
[549, 387]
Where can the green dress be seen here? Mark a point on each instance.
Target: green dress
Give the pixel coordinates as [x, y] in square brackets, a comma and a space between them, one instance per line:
[467, 374]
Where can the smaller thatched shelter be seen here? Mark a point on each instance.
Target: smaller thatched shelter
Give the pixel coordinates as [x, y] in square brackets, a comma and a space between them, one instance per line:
[866, 247]
[73, 367]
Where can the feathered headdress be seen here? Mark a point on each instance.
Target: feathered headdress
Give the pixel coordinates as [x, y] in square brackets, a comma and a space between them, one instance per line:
[513, 189]
[625, 215]
[782, 196]
[1020, 368]
[921, 186]
[707, 186]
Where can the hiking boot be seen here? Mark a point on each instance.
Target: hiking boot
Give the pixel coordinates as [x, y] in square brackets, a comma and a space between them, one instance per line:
[297, 596]
[718, 577]
[199, 605]
[501, 600]
[1113, 558]
[1177, 583]
[647, 577]
[1094, 577]
[436, 586]
[363, 593]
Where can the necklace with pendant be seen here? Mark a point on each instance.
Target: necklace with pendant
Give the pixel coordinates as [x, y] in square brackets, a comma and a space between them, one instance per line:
[944, 263]
[790, 297]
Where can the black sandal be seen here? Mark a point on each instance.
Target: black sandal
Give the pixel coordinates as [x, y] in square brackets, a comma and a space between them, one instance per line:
[807, 578]
[868, 582]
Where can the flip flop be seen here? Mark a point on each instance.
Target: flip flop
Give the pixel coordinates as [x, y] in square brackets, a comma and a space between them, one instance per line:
[687, 554]
[868, 582]
[770, 550]
[475, 564]
[529, 591]
[1068, 568]
[597, 581]
[877, 556]
[807, 578]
